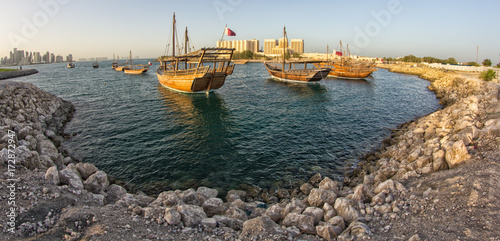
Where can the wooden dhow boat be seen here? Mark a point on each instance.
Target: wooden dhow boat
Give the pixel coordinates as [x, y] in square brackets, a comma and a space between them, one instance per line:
[303, 75]
[135, 69]
[347, 68]
[202, 70]
[240, 61]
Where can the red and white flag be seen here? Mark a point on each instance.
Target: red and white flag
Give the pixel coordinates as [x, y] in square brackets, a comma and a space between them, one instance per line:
[338, 53]
[230, 32]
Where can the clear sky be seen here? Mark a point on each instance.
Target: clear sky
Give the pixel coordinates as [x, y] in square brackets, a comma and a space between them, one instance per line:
[382, 28]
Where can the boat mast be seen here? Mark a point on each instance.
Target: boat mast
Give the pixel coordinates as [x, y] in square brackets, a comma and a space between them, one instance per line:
[185, 45]
[130, 58]
[284, 40]
[173, 37]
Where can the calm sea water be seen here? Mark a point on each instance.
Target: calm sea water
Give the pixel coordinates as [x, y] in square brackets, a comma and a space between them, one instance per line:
[251, 131]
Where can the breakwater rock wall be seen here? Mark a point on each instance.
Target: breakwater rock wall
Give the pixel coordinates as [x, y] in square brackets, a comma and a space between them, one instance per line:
[62, 198]
[17, 73]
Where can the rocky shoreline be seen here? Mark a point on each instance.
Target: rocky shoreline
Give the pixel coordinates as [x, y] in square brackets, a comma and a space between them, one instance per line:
[17, 73]
[60, 198]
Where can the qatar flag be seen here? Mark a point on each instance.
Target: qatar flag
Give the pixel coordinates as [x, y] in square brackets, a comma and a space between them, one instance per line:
[230, 32]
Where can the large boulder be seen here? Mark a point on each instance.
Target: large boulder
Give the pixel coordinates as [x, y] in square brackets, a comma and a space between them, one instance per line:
[389, 186]
[214, 206]
[191, 215]
[259, 228]
[274, 212]
[235, 194]
[167, 199]
[114, 193]
[316, 213]
[317, 197]
[345, 209]
[231, 223]
[456, 154]
[46, 147]
[86, 169]
[172, 217]
[236, 213]
[97, 182]
[356, 231]
[295, 206]
[438, 161]
[328, 232]
[329, 184]
[69, 177]
[52, 175]
[204, 193]
[304, 222]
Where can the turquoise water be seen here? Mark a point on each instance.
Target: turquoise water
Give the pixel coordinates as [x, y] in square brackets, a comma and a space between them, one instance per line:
[251, 131]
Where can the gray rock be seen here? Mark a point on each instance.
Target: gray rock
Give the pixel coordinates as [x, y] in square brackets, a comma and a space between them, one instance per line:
[304, 222]
[46, 147]
[167, 199]
[189, 197]
[236, 213]
[214, 206]
[318, 197]
[68, 177]
[257, 228]
[235, 194]
[204, 193]
[191, 215]
[316, 213]
[86, 169]
[231, 223]
[114, 193]
[274, 212]
[97, 182]
[52, 175]
[131, 200]
[209, 222]
[172, 217]
[27, 158]
[295, 206]
[337, 221]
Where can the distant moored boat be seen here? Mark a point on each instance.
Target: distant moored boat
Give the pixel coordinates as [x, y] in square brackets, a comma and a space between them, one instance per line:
[303, 75]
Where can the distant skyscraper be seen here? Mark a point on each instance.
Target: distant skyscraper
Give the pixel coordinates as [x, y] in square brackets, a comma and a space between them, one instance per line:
[269, 44]
[297, 45]
[240, 45]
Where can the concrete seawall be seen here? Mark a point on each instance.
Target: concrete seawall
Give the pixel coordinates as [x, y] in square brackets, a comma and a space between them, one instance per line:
[15, 74]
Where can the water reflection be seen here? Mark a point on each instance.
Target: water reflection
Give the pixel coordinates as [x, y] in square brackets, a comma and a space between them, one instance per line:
[200, 125]
[302, 89]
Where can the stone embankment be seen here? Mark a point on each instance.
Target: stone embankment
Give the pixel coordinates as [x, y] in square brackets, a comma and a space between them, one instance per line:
[59, 197]
[17, 73]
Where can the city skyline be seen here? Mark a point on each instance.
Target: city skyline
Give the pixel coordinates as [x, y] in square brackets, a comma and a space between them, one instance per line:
[392, 28]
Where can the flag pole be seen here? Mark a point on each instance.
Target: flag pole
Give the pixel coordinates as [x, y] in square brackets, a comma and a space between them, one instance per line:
[222, 38]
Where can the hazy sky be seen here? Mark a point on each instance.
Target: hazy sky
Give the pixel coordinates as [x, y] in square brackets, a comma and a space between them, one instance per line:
[389, 28]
